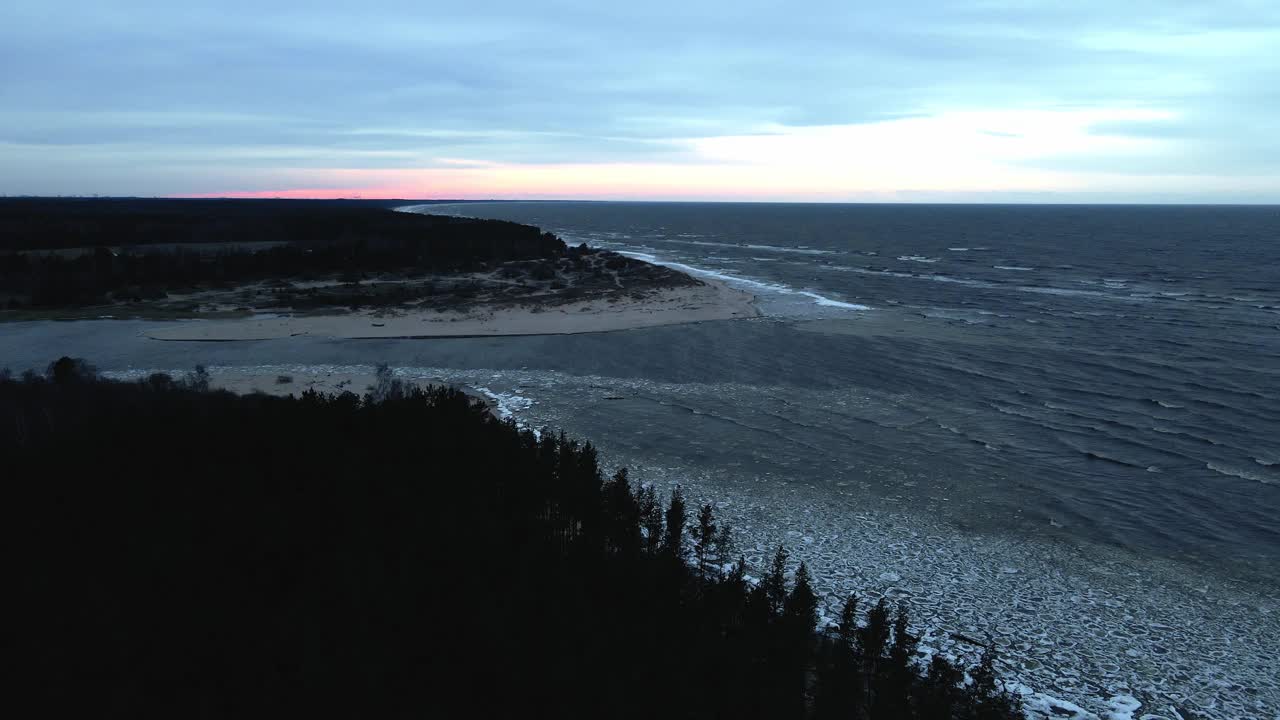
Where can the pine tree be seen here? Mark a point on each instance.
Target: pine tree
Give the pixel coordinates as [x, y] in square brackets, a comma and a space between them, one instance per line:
[621, 514]
[840, 685]
[802, 604]
[673, 541]
[849, 623]
[723, 547]
[940, 690]
[900, 677]
[986, 698]
[704, 538]
[650, 518]
[904, 643]
[738, 576]
[874, 637]
[774, 584]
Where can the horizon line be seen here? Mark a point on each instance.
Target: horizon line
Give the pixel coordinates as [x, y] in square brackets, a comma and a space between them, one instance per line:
[651, 201]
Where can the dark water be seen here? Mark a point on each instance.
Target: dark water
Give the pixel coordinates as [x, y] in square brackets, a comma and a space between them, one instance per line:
[1108, 373]
[1055, 426]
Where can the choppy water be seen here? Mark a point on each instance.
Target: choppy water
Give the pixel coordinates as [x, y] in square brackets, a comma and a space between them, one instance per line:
[1057, 426]
[1112, 373]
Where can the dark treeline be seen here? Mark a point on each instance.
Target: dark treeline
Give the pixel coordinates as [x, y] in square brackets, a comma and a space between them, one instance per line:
[197, 554]
[54, 223]
[104, 248]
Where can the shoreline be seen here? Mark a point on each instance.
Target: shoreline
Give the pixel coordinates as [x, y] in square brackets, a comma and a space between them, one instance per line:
[710, 300]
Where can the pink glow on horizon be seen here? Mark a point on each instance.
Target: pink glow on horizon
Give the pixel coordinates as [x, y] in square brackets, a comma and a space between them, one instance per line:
[585, 182]
[313, 194]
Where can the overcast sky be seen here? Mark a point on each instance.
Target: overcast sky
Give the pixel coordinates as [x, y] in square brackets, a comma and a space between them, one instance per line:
[937, 100]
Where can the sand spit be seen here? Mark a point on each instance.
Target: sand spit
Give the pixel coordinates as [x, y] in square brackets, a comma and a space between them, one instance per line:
[671, 306]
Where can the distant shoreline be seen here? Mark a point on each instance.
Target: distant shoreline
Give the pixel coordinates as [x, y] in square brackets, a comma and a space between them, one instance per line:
[709, 300]
[232, 270]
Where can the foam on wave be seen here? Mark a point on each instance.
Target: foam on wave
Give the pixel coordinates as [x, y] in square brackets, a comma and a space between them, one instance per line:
[1239, 473]
[738, 281]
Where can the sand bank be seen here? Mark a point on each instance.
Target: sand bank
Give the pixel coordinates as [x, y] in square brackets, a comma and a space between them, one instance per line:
[709, 301]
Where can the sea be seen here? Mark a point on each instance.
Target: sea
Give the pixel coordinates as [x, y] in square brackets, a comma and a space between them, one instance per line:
[1054, 428]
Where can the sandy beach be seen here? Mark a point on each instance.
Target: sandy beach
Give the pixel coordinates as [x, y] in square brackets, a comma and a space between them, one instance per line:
[709, 301]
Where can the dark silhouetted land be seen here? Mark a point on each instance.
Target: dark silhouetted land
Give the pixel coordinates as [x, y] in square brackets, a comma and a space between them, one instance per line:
[194, 553]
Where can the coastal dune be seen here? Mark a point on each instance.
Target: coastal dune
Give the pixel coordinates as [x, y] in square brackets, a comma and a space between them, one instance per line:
[710, 300]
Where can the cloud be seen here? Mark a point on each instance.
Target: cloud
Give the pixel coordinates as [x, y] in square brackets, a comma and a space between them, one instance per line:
[155, 96]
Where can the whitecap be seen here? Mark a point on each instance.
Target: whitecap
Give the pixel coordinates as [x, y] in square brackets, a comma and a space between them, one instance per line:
[783, 249]
[1013, 267]
[747, 282]
[908, 276]
[828, 302]
[917, 258]
[739, 246]
[1237, 472]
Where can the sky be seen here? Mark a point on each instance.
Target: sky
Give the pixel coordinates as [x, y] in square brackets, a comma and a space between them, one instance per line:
[848, 101]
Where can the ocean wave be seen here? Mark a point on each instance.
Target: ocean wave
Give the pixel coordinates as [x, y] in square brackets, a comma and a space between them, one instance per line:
[1191, 436]
[1013, 267]
[1016, 412]
[1239, 473]
[917, 258]
[1066, 292]
[1095, 455]
[909, 276]
[680, 239]
[817, 298]
[784, 249]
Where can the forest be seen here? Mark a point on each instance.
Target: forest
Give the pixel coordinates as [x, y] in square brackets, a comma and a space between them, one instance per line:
[75, 252]
[194, 553]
